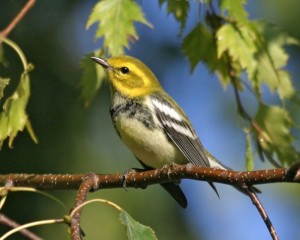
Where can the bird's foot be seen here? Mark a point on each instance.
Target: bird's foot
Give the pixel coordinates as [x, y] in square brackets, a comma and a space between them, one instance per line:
[169, 167]
[131, 171]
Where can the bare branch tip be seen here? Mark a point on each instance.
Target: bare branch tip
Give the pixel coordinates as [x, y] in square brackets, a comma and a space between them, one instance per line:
[293, 172]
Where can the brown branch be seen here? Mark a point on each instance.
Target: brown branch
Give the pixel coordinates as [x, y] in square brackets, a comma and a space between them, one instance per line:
[18, 18]
[89, 182]
[4, 220]
[141, 179]
[263, 213]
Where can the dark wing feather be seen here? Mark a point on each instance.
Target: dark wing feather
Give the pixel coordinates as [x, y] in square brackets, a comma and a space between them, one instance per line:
[192, 149]
[187, 141]
[189, 144]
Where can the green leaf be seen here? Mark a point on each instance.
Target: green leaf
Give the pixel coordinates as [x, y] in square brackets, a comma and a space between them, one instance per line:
[198, 46]
[275, 133]
[179, 9]
[248, 154]
[116, 23]
[240, 45]
[205, 1]
[285, 86]
[1, 54]
[92, 77]
[258, 48]
[3, 83]
[235, 9]
[135, 230]
[14, 118]
[272, 57]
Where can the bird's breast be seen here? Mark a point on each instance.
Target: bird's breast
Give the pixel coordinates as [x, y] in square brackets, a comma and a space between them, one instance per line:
[151, 146]
[143, 134]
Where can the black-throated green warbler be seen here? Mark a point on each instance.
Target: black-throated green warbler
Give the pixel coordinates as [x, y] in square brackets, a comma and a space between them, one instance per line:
[150, 122]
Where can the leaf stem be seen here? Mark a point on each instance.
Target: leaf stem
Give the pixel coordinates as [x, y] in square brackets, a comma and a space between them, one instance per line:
[32, 224]
[17, 49]
[92, 201]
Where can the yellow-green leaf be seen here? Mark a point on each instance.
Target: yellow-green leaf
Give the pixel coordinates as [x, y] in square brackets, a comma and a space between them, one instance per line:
[136, 230]
[249, 154]
[240, 45]
[116, 20]
[272, 57]
[285, 86]
[92, 77]
[14, 118]
[2, 60]
[3, 83]
[275, 133]
[235, 9]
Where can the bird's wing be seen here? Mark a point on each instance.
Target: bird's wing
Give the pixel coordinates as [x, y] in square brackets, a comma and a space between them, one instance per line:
[180, 132]
[178, 129]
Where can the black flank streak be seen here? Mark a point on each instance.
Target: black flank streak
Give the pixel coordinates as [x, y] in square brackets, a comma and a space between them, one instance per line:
[132, 108]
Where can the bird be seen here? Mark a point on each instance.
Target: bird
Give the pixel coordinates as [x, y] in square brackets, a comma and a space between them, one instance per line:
[150, 123]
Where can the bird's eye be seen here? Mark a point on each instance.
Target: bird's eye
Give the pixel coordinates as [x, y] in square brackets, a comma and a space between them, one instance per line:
[124, 70]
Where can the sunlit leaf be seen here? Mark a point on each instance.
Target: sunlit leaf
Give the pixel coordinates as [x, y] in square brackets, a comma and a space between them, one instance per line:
[3, 83]
[205, 1]
[235, 9]
[275, 133]
[240, 45]
[272, 57]
[179, 9]
[14, 118]
[135, 230]
[92, 77]
[2, 60]
[116, 20]
[285, 86]
[249, 151]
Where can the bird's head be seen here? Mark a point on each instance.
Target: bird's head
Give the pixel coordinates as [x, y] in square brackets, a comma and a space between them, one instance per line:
[129, 76]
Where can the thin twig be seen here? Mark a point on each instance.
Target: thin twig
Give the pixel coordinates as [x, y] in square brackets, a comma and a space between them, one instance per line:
[4, 220]
[263, 213]
[31, 224]
[260, 135]
[18, 18]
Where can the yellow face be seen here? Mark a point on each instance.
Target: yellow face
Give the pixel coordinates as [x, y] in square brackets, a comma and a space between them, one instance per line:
[131, 77]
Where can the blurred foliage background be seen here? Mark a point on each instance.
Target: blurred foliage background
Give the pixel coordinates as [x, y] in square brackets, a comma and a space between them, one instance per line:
[74, 139]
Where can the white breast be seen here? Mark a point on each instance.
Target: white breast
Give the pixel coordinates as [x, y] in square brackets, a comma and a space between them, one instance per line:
[151, 146]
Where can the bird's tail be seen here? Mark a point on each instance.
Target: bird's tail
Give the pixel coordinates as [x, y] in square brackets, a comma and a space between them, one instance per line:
[215, 163]
[176, 192]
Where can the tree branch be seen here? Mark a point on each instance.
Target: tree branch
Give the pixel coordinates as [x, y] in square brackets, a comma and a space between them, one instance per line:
[263, 213]
[4, 220]
[89, 182]
[92, 182]
[18, 18]
[150, 177]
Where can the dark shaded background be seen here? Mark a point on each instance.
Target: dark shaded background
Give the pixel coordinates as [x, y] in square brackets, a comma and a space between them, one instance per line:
[74, 139]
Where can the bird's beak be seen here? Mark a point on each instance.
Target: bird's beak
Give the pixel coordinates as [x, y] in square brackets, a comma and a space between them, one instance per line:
[102, 62]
